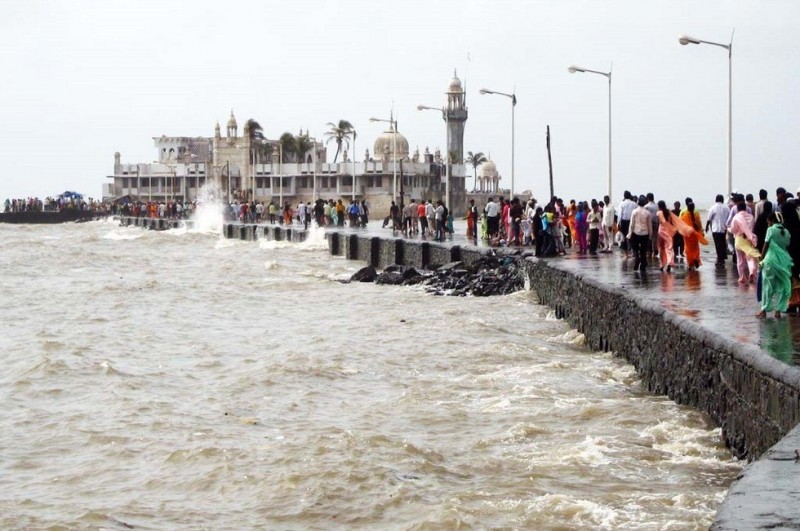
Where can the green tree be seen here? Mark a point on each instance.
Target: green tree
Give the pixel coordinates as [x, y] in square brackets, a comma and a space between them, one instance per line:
[302, 145]
[257, 141]
[340, 132]
[287, 145]
[475, 160]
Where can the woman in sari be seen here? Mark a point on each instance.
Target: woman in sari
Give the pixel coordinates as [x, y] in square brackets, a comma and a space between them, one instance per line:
[776, 268]
[579, 226]
[745, 244]
[669, 225]
[693, 238]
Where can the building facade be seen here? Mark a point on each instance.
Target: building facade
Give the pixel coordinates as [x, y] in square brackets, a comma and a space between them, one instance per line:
[247, 167]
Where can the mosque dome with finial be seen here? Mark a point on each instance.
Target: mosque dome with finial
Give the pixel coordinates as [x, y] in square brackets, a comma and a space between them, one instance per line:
[232, 121]
[455, 84]
[385, 143]
[488, 169]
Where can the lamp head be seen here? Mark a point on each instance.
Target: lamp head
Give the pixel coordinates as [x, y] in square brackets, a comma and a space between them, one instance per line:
[685, 39]
[374, 120]
[572, 69]
[421, 107]
[485, 91]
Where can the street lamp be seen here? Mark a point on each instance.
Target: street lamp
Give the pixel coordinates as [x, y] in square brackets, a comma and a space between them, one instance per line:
[684, 40]
[572, 69]
[513, 98]
[447, 155]
[393, 123]
[353, 196]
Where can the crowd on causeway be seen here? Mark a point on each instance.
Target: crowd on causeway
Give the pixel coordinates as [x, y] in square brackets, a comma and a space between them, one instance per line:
[54, 204]
[762, 237]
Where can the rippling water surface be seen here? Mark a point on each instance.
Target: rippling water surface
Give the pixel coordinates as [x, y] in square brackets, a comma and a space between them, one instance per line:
[178, 380]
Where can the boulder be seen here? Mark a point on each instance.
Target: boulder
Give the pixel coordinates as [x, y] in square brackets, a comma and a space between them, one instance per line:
[365, 274]
[391, 278]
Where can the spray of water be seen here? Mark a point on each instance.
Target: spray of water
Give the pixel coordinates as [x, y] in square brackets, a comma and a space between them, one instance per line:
[208, 216]
[315, 239]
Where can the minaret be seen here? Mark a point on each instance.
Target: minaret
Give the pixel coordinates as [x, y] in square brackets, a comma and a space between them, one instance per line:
[232, 127]
[456, 118]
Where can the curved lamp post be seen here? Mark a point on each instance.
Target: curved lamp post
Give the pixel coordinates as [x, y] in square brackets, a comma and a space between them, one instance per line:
[513, 98]
[684, 40]
[447, 155]
[572, 69]
[393, 123]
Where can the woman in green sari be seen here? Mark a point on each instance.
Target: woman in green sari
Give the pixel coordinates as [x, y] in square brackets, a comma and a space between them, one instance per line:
[776, 268]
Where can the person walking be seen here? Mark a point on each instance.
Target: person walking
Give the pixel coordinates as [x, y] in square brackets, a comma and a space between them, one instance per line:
[595, 220]
[745, 244]
[776, 268]
[439, 219]
[639, 233]
[609, 219]
[693, 238]
[717, 218]
[626, 209]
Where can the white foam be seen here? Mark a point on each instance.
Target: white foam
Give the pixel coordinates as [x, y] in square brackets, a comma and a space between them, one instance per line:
[208, 216]
[118, 235]
[315, 238]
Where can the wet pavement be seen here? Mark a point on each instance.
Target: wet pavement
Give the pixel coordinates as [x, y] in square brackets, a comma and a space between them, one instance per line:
[710, 296]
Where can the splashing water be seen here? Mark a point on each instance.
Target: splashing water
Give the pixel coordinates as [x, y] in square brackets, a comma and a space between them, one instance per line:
[208, 217]
[315, 238]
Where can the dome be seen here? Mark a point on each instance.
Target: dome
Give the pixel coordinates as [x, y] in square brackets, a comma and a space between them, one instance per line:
[488, 169]
[232, 121]
[455, 85]
[385, 141]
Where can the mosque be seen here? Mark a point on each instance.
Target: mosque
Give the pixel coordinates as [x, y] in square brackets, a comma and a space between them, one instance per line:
[250, 166]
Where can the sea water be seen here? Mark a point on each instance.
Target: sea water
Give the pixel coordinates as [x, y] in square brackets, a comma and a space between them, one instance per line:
[179, 380]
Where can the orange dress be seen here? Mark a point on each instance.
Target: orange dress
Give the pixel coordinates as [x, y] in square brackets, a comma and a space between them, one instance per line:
[693, 239]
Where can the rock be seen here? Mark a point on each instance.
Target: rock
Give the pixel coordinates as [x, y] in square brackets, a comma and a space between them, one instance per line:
[365, 274]
[410, 272]
[413, 281]
[394, 268]
[451, 265]
[391, 278]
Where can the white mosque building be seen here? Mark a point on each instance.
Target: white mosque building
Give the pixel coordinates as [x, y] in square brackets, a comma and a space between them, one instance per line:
[246, 167]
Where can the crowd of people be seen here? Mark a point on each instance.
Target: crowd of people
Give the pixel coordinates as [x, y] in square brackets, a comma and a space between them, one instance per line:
[54, 204]
[761, 237]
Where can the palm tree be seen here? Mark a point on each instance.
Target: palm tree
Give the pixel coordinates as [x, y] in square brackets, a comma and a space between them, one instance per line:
[257, 144]
[475, 160]
[341, 132]
[287, 145]
[302, 145]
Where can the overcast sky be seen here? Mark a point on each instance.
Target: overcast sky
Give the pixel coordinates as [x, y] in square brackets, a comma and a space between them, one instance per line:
[83, 79]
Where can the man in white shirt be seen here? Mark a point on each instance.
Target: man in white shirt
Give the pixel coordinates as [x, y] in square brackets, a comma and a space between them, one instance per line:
[609, 215]
[492, 211]
[717, 219]
[641, 226]
[625, 211]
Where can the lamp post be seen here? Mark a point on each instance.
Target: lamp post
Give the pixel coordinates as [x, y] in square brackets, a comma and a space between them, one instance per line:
[572, 69]
[684, 40]
[513, 98]
[393, 124]
[353, 196]
[447, 155]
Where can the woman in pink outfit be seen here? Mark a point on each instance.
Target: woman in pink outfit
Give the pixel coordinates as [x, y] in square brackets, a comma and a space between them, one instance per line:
[745, 243]
[668, 225]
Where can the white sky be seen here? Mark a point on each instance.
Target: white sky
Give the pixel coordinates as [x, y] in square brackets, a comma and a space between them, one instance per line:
[83, 79]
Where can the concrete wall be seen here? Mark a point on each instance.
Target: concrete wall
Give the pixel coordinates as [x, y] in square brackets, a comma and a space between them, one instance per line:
[754, 398]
